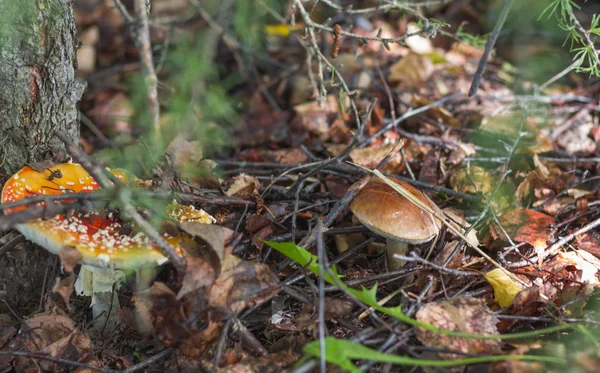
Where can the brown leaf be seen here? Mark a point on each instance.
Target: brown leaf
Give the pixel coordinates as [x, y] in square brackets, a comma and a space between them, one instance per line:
[461, 152]
[54, 335]
[411, 71]
[589, 242]
[242, 284]
[71, 347]
[285, 156]
[524, 225]
[214, 235]
[273, 363]
[159, 310]
[65, 288]
[199, 275]
[185, 152]
[465, 315]
[197, 344]
[573, 297]
[430, 170]
[6, 334]
[531, 299]
[371, 156]
[244, 186]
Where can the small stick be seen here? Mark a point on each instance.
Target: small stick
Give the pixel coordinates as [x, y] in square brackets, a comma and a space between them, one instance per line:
[489, 46]
[145, 49]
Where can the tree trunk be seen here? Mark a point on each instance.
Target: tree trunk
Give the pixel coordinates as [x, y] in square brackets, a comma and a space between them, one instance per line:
[39, 92]
[38, 96]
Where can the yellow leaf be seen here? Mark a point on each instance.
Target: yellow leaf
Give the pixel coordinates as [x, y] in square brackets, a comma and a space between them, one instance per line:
[505, 288]
[281, 29]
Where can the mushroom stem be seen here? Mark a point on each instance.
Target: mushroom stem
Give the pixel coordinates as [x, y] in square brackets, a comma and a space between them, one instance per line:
[98, 283]
[395, 247]
[104, 307]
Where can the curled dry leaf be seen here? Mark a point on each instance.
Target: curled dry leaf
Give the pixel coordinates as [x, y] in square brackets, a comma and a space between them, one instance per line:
[531, 299]
[411, 71]
[524, 225]
[465, 315]
[65, 288]
[532, 189]
[215, 236]
[200, 274]
[244, 186]
[187, 158]
[272, 363]
[462, 151]
[316, 119]
[52, 334]
[585, 264]
[239, 285]
[576, 138]
[370, 156]
[242, 284]
[206, 250]
[158, 310]
[184, 151]
[439, 114]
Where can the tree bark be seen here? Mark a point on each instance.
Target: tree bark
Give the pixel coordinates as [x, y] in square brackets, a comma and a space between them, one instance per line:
[38, 96]
[39, 92]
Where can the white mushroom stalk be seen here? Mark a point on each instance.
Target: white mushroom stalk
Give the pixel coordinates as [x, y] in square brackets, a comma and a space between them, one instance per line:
[101, 284]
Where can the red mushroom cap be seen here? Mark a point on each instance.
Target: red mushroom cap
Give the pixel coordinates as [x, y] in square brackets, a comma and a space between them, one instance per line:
[99, 237]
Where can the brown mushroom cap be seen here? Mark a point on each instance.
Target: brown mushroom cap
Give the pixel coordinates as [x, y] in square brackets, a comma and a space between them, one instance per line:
[385, 212]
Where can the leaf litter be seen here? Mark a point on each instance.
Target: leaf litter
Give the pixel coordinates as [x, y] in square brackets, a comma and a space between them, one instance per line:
[510, 179]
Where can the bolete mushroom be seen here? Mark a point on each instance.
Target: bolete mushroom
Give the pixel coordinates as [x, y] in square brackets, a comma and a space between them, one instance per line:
[98, 240]
[388, 214]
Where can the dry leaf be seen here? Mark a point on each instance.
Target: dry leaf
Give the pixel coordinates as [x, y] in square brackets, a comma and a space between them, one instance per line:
[185, 152]
[505, 288]
[200, 275]
[65, 288]
[243, 186]
[242, 284]
[411, 71]
[531, 300]
[465, 315]
[158, 310]
[215, 236]
[524, 225]
[52, 334]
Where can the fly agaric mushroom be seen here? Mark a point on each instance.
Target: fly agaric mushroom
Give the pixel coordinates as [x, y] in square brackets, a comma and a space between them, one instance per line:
[385, 212]
[104, 245]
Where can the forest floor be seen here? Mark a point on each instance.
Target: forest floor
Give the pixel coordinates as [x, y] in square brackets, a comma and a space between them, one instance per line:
[275, 141]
